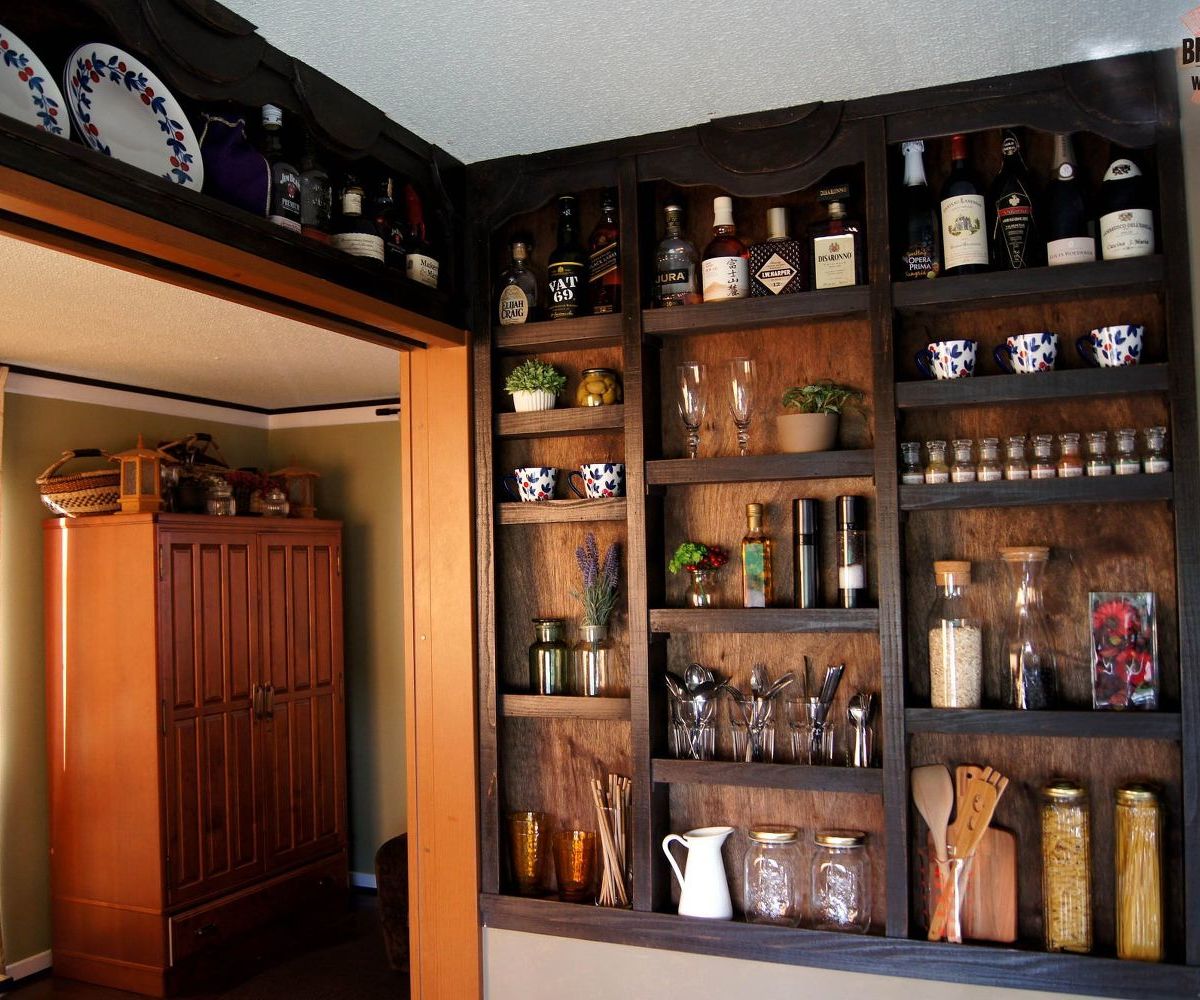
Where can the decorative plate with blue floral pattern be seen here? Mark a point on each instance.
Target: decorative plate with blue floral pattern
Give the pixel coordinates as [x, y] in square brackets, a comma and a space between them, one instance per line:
[27, 90]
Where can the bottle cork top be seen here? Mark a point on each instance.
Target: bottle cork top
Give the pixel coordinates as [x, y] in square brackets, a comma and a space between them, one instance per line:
[723, 211]
[960, 569]
[777, 223]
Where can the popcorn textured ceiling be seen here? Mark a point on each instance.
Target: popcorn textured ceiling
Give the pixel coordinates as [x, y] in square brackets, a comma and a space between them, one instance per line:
[484, 79]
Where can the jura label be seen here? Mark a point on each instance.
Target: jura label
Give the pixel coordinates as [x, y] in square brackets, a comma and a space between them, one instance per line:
[514, 306]
[1128, 232]
[564, 285]
[1072, 250]
[964, 237]
[833, 261]
[675, 285]
[775, 274]
[421, 268]
[602, 262]
[726, 278]
[359, 244]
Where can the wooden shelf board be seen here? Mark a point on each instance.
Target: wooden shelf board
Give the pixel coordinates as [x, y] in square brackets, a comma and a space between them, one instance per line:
[764, 620]
[795, 777]
[1037, 492]
[542, 706]
[560, 511]
[561, 422]
[1082, 724]
[762, 468]
[988, 390]
[560, 335]
[1039, 284]
[740, 314]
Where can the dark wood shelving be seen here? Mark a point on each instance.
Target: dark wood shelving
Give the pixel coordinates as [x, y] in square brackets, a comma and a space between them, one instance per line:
[990, 390]
[742, 314]
[544, 706]
[764, 620]
[1036, 285]
[1082, 723]
[762, 468]
[578, 334]
[794, 777]
[1038, 492]
[560, 511]
[560, 423]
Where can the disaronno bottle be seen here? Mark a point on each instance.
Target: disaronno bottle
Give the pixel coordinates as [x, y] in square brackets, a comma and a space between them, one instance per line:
[516, 296]
[836, 244]
[964, 235]
[726, 269]
[777, 266]
[1126, 220]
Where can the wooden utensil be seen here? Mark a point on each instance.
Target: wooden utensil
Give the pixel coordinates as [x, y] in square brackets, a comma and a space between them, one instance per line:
[989, 908]
[933, 794]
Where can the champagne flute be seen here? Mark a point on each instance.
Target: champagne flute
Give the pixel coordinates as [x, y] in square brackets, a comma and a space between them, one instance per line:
[741, 402]
[691, 402]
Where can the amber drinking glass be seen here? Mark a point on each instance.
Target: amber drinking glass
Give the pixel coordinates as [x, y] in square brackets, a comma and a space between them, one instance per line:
[575, 865]
[529, 839]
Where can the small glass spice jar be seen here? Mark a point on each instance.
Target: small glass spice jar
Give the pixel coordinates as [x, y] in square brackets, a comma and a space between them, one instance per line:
[218, 498]
[1126, 462]
[1015, 466]
[1137, 835]
[771, 892]
[1097, 457]
[1066, 868]
[936, 469]
[963, 469]
[989, 469]
[1070, 465]
[549, 658]
[911, 473]
[1155, 458]
[1042, 466]
[841, 882]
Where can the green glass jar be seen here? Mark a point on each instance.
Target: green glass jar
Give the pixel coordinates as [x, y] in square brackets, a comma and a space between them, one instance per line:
[549, 658]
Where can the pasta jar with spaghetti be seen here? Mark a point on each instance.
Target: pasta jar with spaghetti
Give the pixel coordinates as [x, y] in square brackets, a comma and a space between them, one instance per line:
[1066, 868]
[1138, 849]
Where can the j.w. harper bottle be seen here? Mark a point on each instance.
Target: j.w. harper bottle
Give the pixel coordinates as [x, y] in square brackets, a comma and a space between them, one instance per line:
[836, 245]
[726, 260]
[777, 266]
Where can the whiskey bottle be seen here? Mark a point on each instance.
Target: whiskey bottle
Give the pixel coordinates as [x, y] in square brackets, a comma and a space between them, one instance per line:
[353, 232]
[920, 252]
[964, 238]
[726, 268]
[836, 245]
[316, 195]
[567, 270]
[517, 289]
[284, 203]
[386, 215]
[676, 265]
[1016, 244]
[777, 266]
[757, 584]
[1126, 219]
[604, 270]
[420, 261]
[1069, 236]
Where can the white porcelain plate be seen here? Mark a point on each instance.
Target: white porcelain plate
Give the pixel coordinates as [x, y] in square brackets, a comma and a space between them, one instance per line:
[27, 90]
[123, 110]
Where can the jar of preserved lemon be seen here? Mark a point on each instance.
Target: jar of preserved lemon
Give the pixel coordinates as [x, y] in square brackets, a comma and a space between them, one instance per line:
[1138, 850]
[1066, 868]
[598, 387]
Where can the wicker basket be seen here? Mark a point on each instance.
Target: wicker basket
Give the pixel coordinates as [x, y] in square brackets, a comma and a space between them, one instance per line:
[81, 493]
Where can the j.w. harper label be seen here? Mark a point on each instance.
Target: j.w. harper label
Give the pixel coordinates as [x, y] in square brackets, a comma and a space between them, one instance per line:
[776, 268]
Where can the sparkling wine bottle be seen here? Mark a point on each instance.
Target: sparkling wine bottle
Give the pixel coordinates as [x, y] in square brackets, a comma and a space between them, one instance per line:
[920, 249]
[1069, 236]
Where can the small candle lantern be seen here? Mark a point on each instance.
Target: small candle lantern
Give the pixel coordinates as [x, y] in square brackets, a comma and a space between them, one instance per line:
[141, 479]
[301, 487]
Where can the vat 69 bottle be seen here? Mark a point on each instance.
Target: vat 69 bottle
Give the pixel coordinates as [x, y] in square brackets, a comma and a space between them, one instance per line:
[566, 274]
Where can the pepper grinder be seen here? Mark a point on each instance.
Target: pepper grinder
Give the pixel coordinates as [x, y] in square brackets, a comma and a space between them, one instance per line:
[852, 551]
[806, 565]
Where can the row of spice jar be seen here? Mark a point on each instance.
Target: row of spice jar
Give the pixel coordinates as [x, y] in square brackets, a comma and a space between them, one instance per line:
[1045, 464]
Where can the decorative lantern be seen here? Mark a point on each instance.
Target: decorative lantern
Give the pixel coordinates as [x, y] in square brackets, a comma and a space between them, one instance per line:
[141, 479]
[301, 487]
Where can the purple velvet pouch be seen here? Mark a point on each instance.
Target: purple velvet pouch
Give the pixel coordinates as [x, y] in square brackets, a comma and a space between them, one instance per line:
[234, 170]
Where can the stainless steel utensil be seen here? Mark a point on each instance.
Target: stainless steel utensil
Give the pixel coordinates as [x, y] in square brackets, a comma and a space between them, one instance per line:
[829, 686]
[859, 713]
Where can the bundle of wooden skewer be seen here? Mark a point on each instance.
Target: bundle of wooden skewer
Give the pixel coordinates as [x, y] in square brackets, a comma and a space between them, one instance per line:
[612, 811]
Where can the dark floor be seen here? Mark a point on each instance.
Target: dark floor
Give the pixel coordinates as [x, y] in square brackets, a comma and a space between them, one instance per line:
[345, 962]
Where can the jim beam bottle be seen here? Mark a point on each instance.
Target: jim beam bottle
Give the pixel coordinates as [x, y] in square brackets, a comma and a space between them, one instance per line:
[284, 209]
[517, 289]
[604, 270]
[676, 265]
[836, 245]
[726, 267]
[566, 275]
[777, 265]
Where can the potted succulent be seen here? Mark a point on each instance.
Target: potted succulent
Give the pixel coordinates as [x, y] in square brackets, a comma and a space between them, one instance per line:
[534, 385]
[810, 418]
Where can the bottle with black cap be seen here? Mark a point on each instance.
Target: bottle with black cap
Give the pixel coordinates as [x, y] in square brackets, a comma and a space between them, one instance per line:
[806, 523]
[852, 551]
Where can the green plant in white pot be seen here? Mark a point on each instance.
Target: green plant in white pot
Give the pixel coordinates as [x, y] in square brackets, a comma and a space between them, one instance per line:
[811, 412]
[534, 385]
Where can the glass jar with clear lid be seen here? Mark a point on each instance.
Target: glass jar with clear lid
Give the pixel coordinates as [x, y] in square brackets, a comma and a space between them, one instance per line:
[963, 469]
[1126, 462]
[841, 882]
[1137, 836]
[989, 469]
[218, 498]
[1042, 466]
[771, 892]
[955, 640]
[1155, 458]
[1070, 465]
[911, 472]
[936, 469]
[1015, 466]
[1031, 658]
[1066, 868]
[1097, 460]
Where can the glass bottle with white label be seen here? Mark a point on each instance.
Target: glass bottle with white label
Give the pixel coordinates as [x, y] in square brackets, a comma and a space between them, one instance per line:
[1126, 218]
[284, 208]
[835, 246]
[1155, 458]
[1069, 235]
[936, 469]
[777, 265]
[676, 265]
[353, 232]
[726, 266]
[1015, 465]
[989, 469]
[420, 261]
[517, 289]
[963, 469]
[964, 234]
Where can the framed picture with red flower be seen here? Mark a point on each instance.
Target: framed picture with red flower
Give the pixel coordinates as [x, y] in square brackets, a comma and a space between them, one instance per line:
[1124, 651]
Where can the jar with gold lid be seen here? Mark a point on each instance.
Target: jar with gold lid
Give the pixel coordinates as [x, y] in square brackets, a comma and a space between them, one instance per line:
[1066, 868]
[841, 882]
[771, 887]
[1137, 848]
[598, 387]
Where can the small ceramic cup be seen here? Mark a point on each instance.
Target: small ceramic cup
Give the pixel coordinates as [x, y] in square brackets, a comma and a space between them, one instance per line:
[1112, 346]
[944, 359]
[530, 484]
[600, 479]
[1025, 353]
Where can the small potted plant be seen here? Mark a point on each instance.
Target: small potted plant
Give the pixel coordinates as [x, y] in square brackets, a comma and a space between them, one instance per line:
[810, 418]
[534, 385]
[702, 562]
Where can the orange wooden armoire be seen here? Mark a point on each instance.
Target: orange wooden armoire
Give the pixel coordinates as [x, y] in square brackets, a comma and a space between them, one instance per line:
[195, 704]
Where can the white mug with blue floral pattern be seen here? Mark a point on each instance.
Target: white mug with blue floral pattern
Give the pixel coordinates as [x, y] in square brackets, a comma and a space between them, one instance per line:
[944, 359]
[1112, 346]
[532, 483]
[600, 480]
[1025, 353]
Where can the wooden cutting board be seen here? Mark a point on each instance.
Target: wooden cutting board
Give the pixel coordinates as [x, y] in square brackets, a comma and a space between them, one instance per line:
[990, 906]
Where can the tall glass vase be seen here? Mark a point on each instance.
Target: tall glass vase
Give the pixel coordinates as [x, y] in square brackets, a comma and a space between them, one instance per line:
[593, 662]
[1029, 640]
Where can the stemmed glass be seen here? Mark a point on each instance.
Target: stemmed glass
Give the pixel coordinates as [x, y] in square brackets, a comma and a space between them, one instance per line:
[741, 402]
[691, 402]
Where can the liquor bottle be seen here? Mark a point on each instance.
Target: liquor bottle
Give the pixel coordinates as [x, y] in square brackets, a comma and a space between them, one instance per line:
[353, 232]
[1126, 218]
[1069, 235]
[836, 245]
[920, 252]
[726, 268]
[420, 263]
[676, 265]
[517, 289]
[386, 215]
[566, 274]
[777, 266]
[757, 589]
[1012, 221]
[316, 195]
[284, 203]
[964, 238]
[604, 269]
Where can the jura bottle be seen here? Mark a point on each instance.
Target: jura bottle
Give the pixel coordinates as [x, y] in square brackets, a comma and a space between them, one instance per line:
[353, 232]
[920, 248]
[676, 265]
[1069, 236]
[726, 267]
[516, 295]
[1126, 219]
[1013, 223]
[964, 235]
[777, 265]
[420, 261]
[566, 275]
[284, 207]
[604, 270]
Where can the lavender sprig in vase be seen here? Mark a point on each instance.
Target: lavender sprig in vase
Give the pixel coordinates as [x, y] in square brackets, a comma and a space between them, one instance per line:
[593, 656]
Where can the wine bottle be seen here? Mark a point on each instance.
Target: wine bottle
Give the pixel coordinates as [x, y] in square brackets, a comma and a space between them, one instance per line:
[964, 238]
[1126, 218]
[1069, 237]
[726, 266]
[1012, 220]
[920, 253]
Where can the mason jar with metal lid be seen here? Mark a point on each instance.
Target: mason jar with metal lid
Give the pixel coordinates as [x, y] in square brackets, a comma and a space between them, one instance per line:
[771, 888]
[841, 882]
[598, 387]
[1138, 852]
[1066, 868]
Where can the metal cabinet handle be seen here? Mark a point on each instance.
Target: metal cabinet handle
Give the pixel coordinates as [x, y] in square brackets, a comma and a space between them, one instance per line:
[256, 703]
[269, 709]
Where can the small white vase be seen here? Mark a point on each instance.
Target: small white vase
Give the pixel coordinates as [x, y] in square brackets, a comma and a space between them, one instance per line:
[803, 432]
[529, 400]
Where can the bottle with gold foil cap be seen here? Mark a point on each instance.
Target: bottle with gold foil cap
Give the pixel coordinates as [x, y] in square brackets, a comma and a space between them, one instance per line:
[757, 583]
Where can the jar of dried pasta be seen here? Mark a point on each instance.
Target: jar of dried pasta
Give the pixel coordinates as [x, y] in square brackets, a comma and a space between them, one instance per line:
[1066, 868]
[1138, 849]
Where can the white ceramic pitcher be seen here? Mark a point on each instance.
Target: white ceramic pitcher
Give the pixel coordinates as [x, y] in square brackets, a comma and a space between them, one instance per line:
[705, 890]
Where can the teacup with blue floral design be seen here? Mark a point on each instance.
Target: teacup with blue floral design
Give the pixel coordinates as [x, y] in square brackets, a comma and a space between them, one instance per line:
[1112, 346]
[1026, 353]
[600, 480]
[946, 359]
[532, 483]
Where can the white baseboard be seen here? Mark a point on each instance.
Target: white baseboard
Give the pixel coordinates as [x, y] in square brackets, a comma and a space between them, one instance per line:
[29, 966]
[362, 880]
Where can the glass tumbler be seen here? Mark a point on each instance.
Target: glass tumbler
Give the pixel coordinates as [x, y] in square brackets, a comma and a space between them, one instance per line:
[771, 890]
[529, 842]
[575, 865]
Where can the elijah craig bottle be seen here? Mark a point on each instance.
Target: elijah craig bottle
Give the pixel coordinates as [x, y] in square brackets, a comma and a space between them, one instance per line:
[566, 274]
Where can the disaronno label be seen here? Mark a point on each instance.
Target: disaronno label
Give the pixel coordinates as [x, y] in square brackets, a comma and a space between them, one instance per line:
[514, 306]
[726, 278]
[964, 237]
[833, 259]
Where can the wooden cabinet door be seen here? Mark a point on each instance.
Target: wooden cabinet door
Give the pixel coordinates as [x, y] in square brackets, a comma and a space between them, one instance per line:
[303, 732]
[208, 646]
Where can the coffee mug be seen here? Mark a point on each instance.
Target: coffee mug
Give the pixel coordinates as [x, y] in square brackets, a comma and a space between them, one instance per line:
[945, 359]
[533, 483]
[1112, 346]
[1025, 353]
[600, 479]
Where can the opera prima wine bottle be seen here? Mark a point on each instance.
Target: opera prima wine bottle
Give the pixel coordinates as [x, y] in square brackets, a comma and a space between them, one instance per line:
[920, 251]
[964, 238]
[726, 266]
[1126, 219]
[566, 275]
